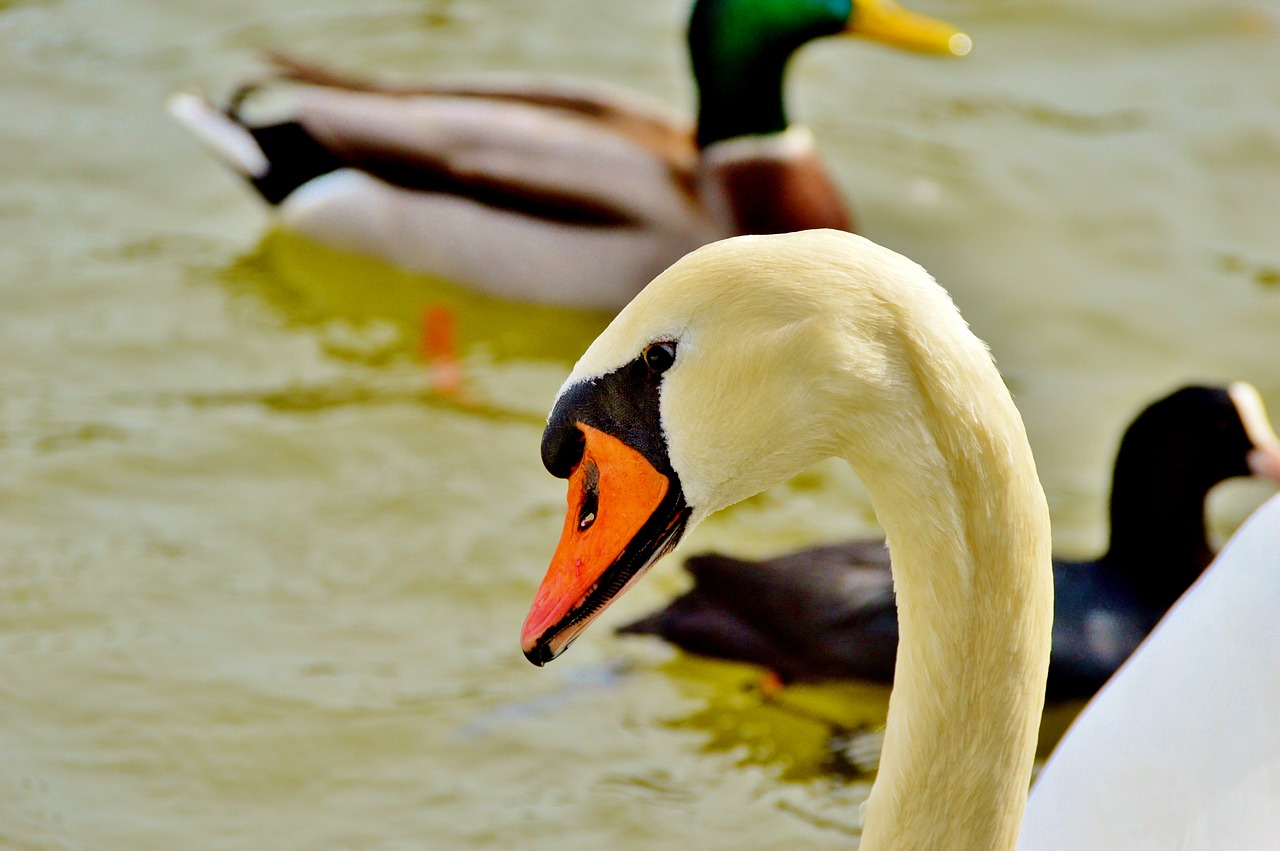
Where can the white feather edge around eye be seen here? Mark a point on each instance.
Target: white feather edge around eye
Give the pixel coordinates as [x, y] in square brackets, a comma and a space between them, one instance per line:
[607, 355]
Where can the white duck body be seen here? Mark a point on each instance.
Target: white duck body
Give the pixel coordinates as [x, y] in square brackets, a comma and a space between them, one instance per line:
[551, 191]
[546, 191]
[794, 348]
[1181, 748]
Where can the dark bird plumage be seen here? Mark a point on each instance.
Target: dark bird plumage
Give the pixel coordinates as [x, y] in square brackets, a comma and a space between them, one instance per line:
[828, 613]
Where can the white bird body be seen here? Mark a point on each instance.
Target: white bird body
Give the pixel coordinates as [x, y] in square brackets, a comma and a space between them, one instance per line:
[538, 155]
[430, 233]
[574, 209]
[1181, 748]
[429, 172]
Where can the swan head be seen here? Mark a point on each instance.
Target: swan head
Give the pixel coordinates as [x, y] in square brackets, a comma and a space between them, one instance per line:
[746, 362]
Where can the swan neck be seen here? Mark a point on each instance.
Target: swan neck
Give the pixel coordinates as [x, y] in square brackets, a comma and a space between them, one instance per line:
[968, 532]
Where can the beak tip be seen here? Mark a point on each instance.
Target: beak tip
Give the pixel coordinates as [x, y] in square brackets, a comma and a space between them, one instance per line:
[1264, 462]
[960, 44]
[539, 653]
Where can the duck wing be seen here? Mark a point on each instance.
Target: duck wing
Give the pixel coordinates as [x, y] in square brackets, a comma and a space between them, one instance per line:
[649, 121]
[566, 151]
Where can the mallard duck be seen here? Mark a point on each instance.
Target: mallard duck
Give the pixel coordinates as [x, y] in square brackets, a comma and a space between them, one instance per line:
[827, 612]
[556, 191]
[750, 360]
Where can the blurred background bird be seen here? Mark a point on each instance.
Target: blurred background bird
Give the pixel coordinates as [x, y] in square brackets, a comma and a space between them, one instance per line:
[828, 613]
[551, 190]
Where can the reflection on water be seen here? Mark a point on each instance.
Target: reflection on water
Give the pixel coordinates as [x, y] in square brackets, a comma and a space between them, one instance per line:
[380, 318]
[802, 731]
[372, 313]
[1263, 274]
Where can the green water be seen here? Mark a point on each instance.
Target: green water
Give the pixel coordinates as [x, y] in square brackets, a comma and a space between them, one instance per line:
[260, 584]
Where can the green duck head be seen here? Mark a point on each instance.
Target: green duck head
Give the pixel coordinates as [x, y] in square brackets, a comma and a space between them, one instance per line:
[740, 48]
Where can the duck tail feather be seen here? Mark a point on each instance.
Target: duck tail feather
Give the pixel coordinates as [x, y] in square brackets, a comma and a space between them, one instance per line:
[290, 67]
[220, 132]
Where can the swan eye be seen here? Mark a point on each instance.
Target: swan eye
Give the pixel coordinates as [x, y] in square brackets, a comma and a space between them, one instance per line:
[659, 356]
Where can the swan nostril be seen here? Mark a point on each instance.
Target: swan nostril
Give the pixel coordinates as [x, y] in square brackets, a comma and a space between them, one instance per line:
[590, 498]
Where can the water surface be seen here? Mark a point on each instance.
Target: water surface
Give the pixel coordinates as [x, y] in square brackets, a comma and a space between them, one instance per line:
[260, 584]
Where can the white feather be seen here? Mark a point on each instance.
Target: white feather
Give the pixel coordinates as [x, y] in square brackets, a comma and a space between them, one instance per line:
[230, 142]
[521, 257]
[1181, 749]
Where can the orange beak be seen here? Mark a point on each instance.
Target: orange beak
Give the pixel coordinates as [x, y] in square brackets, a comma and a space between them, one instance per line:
[623, 515]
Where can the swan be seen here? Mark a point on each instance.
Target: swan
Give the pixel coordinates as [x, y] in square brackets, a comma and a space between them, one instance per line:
[751, 359]
[550, 190]
[827, 612]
